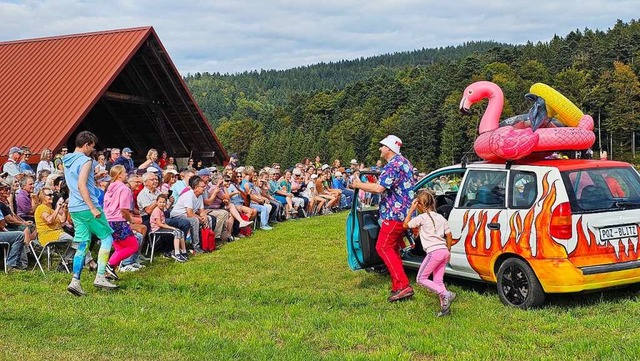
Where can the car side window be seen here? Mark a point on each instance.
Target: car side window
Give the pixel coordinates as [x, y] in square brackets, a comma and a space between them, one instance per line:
[484, 189]
[524, 190]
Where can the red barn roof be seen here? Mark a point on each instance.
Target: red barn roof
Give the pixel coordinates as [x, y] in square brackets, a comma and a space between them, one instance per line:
[119, 84]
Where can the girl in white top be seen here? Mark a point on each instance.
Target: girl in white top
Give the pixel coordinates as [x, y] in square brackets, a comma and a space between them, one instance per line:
[436, 241]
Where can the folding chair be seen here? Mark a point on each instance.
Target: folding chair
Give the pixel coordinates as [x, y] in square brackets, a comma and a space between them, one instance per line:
[5, 253]
[153, 238]
[50, 248]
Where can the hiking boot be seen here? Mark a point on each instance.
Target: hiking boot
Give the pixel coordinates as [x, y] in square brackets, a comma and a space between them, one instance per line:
[446, 302]
[401, 294]
[75, 288]
[102, 282]
[110, 273]
[245, 223]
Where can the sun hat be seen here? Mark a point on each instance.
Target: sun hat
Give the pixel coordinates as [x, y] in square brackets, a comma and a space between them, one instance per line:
[353, 161]
[325, 167]
[392, 142]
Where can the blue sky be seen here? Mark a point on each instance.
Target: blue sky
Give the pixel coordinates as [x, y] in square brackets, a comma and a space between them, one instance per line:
[238, 35]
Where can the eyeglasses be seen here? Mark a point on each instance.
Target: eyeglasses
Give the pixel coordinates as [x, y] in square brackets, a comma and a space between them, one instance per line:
[48, 194]
[27, 154]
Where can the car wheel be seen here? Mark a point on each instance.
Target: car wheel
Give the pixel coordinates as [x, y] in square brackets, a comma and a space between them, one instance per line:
[518, 286]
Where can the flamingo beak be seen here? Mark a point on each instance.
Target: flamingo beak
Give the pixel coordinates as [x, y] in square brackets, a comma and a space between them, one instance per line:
[465, 106]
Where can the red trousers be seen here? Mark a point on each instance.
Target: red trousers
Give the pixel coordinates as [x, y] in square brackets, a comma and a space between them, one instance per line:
[390, 242]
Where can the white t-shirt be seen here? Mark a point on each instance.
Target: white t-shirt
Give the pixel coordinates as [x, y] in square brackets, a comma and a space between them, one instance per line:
[188, 199]
[432, 234]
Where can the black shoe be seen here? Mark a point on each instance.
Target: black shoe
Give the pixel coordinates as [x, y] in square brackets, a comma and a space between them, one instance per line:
[110, 273]
[166, 254]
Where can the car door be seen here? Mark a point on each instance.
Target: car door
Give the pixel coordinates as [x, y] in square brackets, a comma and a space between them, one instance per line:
[363, 227]
[477, 222]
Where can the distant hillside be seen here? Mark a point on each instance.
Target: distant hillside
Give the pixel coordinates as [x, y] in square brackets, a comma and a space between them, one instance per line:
[340, 110]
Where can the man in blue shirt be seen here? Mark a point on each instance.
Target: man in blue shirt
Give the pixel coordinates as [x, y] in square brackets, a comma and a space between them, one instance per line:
[396, 186]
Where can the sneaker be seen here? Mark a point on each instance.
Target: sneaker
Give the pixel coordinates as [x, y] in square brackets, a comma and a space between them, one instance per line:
[75, 288]
[443, 313]
[266, 228]
[110, 273]
[183, 257]
[138, 265]
[198, 250]
[129, 268]
[102, 282]
[245, 223]
[178, 258]
[166, 254]
[446, 302]
[231, 239]
[401, 294]
[144, 259]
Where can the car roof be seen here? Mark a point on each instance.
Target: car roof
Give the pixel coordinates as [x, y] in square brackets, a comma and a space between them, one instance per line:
[560, 164]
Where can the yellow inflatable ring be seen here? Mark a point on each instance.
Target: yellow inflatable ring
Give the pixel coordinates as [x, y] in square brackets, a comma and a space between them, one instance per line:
[558, 105]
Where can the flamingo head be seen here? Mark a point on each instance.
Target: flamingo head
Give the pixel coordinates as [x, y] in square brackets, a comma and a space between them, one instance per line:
[478, 91]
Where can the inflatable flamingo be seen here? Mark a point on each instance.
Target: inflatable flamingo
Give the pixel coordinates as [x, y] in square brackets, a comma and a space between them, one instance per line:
[497, 143]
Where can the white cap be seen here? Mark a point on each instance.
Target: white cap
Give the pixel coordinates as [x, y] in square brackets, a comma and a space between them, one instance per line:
[172, 171]
[338, 174]
[325, 166]
[353, 161]
[153, 169]
[314, 176]
[392, 142]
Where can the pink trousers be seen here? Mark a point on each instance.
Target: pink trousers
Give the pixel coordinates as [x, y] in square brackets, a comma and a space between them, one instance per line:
[123, 249]
[435, 262]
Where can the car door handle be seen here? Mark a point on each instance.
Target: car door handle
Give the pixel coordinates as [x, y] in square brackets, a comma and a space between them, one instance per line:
[494, 226]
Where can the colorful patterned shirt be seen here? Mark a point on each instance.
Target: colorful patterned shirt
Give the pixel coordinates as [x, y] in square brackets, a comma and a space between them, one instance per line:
[397, 178]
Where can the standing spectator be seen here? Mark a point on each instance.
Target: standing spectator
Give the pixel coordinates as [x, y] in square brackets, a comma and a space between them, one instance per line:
[26, 199]
[87, 217]
[24, 162]
[396, 186]
[12, 166]
[114, 155]
[125, 160]
[45, 161]
[233, 160]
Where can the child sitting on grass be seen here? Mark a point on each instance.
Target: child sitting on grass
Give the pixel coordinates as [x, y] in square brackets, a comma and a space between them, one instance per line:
[158, 225]
[436, 241]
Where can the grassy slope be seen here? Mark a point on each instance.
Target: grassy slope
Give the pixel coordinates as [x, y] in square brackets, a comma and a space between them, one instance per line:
[288, 294]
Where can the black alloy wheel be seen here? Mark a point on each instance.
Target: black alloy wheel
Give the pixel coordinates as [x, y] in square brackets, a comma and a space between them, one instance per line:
[518, 285]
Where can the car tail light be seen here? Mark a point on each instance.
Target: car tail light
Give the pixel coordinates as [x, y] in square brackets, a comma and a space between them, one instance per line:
[561, 225]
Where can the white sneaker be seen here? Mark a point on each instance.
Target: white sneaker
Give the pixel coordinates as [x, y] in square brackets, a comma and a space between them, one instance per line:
[266, 228]
[245, 223]
[75, 288]
[138, 265]
[102, 282]
[128, 268]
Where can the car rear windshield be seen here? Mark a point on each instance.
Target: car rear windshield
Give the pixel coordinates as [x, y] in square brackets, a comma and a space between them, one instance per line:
[602, 189]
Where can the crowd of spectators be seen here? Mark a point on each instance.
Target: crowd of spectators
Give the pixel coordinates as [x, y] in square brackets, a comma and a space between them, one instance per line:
[173, 203]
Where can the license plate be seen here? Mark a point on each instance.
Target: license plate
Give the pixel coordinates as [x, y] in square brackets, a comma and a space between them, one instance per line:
[618, 232]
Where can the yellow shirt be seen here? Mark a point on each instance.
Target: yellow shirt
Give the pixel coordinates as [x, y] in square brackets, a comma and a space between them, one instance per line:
[47, 232]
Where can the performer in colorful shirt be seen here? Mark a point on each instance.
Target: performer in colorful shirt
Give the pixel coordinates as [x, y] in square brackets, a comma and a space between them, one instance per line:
[396, 186]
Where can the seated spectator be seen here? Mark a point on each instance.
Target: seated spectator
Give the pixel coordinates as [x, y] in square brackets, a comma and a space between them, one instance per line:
[26, 199]
[41, 180]
[16, 247]
[168, 180]
[114, 155]
[45, 161]
[162, 161]
[152, 157]
[24, 162]
[285, 186]
[277, 208]
[322, 192]
[171, 164]
[49, 224]
[220, 216]
[190, 206]
[316, 203]
[100, 168]
[159, 225]
[339, 183]
[257, 201]
[181, 184]
[125, 160]
[12, 166]
[236, 198]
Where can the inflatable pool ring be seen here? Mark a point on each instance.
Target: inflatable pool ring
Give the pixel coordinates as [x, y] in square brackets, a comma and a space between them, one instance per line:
[558, 105]
[497, 143]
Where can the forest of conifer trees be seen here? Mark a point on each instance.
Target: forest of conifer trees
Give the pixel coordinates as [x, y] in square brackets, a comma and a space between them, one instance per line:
[340, 110]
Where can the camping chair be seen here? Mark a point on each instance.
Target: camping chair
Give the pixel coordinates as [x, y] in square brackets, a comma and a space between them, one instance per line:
[50, 248]
[153, 238]
[5, 253]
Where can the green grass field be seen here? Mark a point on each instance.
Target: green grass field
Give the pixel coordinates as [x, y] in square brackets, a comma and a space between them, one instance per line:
[288, 294]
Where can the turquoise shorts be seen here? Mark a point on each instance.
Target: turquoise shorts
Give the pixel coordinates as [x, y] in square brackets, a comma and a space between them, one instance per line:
[85, 224]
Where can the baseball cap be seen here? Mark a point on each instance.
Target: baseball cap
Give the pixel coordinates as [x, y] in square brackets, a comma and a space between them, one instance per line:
[153, 169]
[392, 142]
[15, 150]
[314, 176]
[338, 174]
[353, 161]
[325, 167]
[204, 172]
[127, 150]
[172, 171]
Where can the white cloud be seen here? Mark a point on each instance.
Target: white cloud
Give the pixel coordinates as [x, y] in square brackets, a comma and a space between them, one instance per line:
[232, 36]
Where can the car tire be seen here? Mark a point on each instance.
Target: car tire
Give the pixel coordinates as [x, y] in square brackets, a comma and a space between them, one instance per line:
[518, 285]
